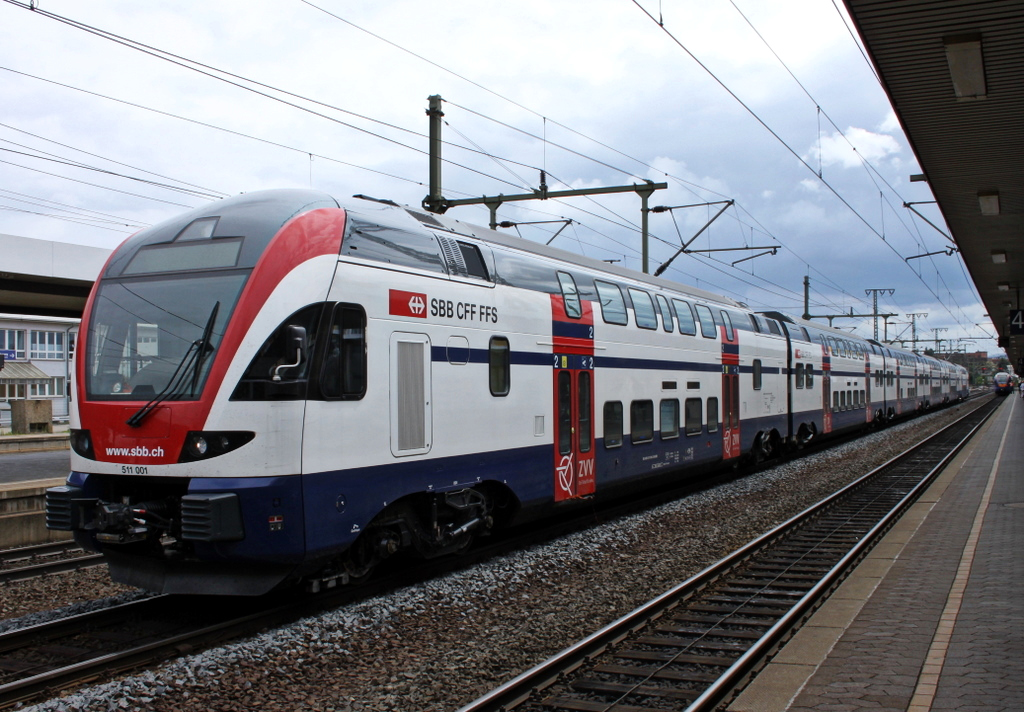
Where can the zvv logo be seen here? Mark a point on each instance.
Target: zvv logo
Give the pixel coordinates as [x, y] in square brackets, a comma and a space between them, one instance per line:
[407, 304]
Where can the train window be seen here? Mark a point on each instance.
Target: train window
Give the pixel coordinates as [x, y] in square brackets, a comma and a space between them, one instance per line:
[613, 306]
[669, 422]
[257, 383]
[392, 245]
[707, 321]
[641, 421]
[474, 260]
[499, 366]
[666, 313]
[727, 322]
[799, 377]
[643, 309]
[684, 313]
[583, 410]
[753, 322]
[835, 400]
[756, 368]
[773, 326]
[612, 424]
[692, 414]
[807, 337]
[712, 415]
[570, 296]
[343, 375]
[863, 399]
[809, 375]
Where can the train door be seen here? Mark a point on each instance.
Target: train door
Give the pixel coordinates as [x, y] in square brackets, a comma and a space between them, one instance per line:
[574, 430]
[410, 394]
[826, 385]
[572, 329]
[730, 389]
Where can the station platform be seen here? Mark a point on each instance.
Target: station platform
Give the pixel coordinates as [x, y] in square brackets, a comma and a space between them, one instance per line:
[933, 618]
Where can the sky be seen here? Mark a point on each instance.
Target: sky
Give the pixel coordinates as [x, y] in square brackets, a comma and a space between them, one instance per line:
[772, 105]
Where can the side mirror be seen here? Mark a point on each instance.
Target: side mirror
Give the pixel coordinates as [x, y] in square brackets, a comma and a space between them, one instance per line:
[295, 338]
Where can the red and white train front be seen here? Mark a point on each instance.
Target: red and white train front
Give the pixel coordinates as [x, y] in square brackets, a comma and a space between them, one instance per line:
[176, 374]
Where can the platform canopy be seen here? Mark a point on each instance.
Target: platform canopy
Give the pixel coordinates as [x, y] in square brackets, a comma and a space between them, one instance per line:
[954, 72]
[44, 278]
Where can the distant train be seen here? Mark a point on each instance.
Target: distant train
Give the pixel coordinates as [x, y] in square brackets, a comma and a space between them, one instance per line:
[1002, 384]
[277, 388]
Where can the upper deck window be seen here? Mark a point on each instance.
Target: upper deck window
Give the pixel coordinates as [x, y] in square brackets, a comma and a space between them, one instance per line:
[643, 309]
[570, 295]
[666, 313]
[613, 306]
[685, 315]
[392, 245]
[707, 321]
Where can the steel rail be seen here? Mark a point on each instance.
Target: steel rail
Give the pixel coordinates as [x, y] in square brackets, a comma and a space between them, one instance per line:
[529, 684]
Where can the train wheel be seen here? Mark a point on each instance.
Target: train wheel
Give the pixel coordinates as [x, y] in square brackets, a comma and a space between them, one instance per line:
[764, 448]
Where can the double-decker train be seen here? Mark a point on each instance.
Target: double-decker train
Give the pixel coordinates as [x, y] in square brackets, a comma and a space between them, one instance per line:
[278, 388]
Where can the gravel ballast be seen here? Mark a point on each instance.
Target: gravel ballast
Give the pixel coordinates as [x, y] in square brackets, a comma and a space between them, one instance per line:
[439, 645]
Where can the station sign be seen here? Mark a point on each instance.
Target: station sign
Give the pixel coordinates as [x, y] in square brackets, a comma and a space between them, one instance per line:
[1016, 322]
[9, 354]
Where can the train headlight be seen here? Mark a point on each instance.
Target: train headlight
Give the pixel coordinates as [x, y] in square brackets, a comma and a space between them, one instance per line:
[202, 445]
[81, 443]
[197, 445]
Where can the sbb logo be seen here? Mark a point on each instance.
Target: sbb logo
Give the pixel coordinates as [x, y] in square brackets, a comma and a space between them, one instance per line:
[407, 304]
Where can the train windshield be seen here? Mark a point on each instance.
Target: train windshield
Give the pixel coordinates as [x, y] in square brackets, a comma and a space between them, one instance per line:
[157, 337]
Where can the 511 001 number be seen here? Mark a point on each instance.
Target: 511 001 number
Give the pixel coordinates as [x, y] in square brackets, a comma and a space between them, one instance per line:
[134, 470]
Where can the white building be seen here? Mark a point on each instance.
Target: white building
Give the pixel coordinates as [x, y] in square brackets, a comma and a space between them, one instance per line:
[37, 353]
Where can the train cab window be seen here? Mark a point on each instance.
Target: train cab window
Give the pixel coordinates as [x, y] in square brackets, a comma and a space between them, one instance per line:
[756, 369]
[612, 424]
[499, 366]
[570, 295]
[643, 309]
[798, 379]
[613, 306]
[712, 415]
[684, 313]
[693, 416]
[727, 322]
[343, 375]
[666, 313]
[707, 321]
[641, 421]
[669, 422]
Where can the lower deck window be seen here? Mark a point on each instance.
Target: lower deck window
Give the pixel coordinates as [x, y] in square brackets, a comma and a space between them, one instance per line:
[612, 424]
[669, 418]
[712, 415]
[692, 413]
[641, 420]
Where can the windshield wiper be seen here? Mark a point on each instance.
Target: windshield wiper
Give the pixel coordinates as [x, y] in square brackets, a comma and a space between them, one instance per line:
[192, 359]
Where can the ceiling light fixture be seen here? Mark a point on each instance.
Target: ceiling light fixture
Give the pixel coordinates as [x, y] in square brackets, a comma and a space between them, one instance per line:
[966, 66]
[988, 201]
[999, 256]
[1004, 286]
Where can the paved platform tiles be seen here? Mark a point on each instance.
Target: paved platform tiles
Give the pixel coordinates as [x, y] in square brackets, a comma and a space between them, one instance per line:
[933, 619]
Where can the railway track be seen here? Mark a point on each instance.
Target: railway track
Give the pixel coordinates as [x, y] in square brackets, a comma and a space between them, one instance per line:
[29, 562]
[695, 646]
[42, 660]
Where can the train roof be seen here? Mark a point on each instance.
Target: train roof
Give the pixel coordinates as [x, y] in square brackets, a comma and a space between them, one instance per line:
[388, 212]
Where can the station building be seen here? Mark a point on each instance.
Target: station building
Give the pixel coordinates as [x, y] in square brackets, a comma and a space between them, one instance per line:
[37, 356]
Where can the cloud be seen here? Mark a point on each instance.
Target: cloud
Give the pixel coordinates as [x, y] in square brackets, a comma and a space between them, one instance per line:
[847, 151]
